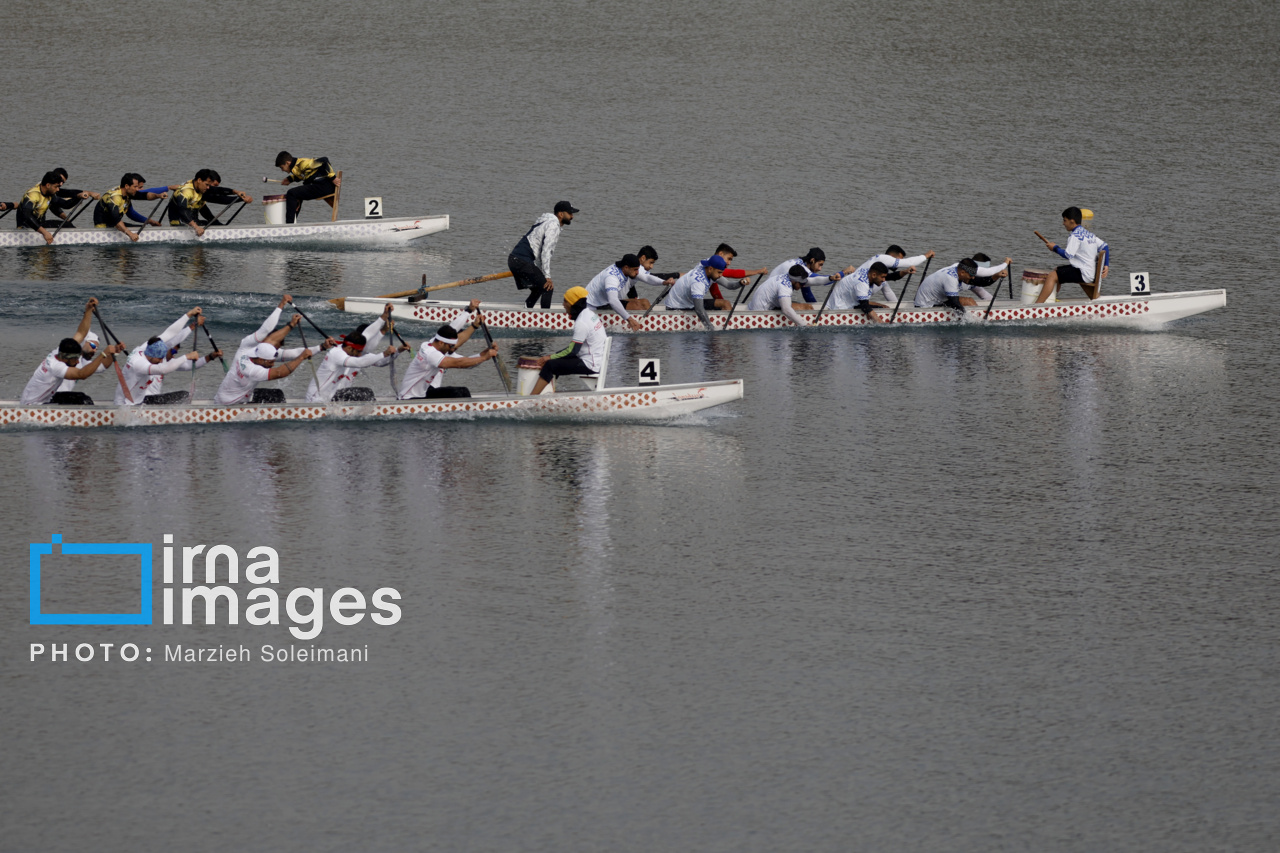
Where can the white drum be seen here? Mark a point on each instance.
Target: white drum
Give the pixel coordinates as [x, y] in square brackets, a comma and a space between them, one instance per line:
[275, 210]
[1032, 283]
[528, 370]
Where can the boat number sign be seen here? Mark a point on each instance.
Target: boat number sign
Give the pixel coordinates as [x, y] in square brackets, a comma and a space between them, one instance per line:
[650, 371]
[373, 208]
[1139, 282]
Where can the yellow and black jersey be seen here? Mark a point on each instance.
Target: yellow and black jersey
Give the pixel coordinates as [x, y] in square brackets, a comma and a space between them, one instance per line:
[31, 208]
[307, 169]
[111, 208]
[186, 204]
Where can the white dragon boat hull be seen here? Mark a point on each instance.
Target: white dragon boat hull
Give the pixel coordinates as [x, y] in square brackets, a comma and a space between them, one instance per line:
[1143, 311]
[342, 232]
[648, 403]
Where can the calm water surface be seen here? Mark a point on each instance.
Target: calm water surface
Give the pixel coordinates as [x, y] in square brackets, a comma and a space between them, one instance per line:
[921, 589]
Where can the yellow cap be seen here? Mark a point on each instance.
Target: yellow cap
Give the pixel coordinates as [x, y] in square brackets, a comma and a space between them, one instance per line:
[1086, 213]
[573, 294]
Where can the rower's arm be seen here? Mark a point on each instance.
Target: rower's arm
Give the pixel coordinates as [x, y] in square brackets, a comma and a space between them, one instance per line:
[177, 331]
[570, 350]
[701, 311]
[268, 326]
[790, 310]
[85, 321]
[616, 304]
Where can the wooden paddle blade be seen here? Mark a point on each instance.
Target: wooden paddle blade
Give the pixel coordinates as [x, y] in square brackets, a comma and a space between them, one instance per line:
[402, 294]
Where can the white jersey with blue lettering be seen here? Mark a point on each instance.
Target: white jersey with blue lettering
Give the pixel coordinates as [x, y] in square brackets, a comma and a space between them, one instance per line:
[1082, 251]
[692, 285]
[609, 288]
[935, 289]
[857, 286]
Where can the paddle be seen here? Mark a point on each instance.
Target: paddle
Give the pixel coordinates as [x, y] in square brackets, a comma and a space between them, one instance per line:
[313, 325]
[153, 213]
[908, 285]
[215, 346]
[66, 221]
[818, 316]
[497, 359]
[242, 206]
[342, 301]
[267, 180]
[302, 335]
[108, 336]
[991, 304]
[725, 327]
[661, 297]
[391, 331]
[195, 339]
[7, 211]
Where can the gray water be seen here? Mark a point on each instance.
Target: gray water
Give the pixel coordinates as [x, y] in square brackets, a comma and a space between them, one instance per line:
[926, 589]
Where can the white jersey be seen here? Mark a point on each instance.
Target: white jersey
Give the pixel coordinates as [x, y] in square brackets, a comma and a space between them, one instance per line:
[45, 381]
[338, 370]
[250, 341]
[237, 386]
[609, 287]
[938, 286]
[423, 372]
[145, 379]
[773, 291]
[1082, 251]
[588, 330]
[692, 285]
[857, 287]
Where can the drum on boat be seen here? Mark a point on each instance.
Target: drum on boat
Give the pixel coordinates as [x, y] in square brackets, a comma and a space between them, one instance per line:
[528, 370]
[275, 209]
[1032, 283]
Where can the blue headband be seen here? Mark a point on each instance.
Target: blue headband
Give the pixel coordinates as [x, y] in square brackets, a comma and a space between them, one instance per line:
[157, 350]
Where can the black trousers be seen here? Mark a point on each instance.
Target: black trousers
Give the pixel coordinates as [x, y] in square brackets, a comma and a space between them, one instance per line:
[449, 391]
[294, 198]
[353, 395]
[569, 364]
[267, 395]
[70, 398]
[529, 277]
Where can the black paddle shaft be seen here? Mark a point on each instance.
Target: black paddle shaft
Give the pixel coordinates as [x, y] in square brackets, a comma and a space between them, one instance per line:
[908, 285]
[308, 319]
[215, 346]
[992, 303]
[725, 327]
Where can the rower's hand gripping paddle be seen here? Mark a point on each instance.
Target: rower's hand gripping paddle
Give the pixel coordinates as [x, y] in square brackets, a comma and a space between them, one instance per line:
[109, 338]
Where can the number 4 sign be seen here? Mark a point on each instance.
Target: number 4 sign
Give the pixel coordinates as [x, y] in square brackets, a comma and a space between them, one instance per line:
[650, 371]
[1139, 282]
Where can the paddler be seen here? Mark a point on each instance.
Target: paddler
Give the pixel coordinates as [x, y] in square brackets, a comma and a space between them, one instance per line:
[1081, 253]
[218, 194]
[582, 356]
[775, 293]
[944, 286]
[255, 359]
[49, 383]
[648, 256]
[812, 261]
[424, 378]
[343, 363]
[315, 174]
[530, 260]
[114, 205]
[188, 200]
[35, 203]
[690, 292]
[732, 274]
[149, 363]
[857, 288]
[606, 289]
[66, 199]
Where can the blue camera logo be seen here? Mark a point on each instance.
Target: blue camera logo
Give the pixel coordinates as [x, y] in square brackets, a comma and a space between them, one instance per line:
[142, 549]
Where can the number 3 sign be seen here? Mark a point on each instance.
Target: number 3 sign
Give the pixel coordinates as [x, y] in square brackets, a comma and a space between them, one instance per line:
[1139, 282]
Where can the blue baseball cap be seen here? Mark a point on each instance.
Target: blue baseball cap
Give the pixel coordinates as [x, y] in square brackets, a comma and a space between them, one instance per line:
[715, 261]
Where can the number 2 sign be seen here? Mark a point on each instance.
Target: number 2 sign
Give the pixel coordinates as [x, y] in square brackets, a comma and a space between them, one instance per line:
[373, 208]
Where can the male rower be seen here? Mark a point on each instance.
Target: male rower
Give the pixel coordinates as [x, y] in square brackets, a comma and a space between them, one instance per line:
[776, 293]
[424, 378]
[88, 351]
[188, 200]
[812, 261]
[343, 363]
[732, 274]
[66, 199]
[316, 176]
[648, 256]
[582, 356]
[218, 194]
[856, 287]
[60, 365]
[114, 205]
[530, 260]
[944, 286]
[255, 359]
[35, 203]
[150, 363]
[606, 289]
[1081, 253]
[689, 293]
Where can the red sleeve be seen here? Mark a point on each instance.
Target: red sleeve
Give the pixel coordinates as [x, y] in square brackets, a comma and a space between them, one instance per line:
[736, 273]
